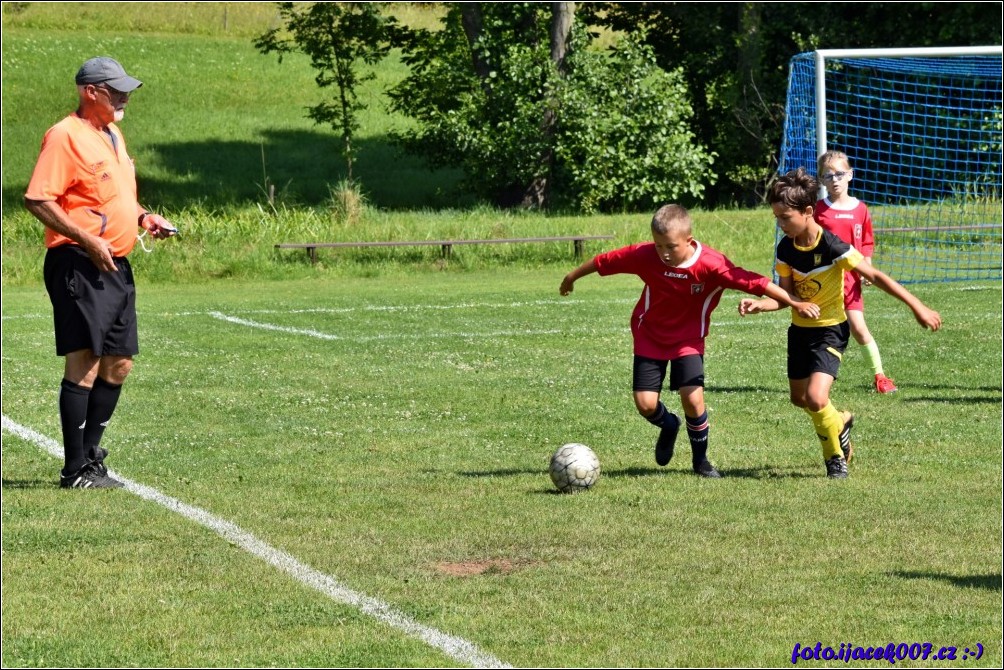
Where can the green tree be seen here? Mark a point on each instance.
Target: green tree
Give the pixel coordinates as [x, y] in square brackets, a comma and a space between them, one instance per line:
[510, 93]
[337, 36]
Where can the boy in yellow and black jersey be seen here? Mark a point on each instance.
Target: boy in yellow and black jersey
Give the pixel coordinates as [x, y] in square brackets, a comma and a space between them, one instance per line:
[810, 264]
[818, 275]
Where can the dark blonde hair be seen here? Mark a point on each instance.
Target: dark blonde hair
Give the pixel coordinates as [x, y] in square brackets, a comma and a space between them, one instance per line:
[830, 157]
[672, 218]
[796, 189]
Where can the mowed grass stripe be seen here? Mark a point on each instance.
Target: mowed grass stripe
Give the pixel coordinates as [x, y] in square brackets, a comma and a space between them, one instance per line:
[456, 648]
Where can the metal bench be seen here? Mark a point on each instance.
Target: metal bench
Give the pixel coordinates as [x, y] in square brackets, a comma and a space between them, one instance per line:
[446, 245]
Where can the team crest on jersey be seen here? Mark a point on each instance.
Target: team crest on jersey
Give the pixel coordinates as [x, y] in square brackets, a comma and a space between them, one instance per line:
[807, 288]
[696, 289]
[817, 259]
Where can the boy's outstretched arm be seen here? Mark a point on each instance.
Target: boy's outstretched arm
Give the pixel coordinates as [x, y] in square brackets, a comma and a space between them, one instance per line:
[587, 268]
[768, 304]
[925, 316]
[806, 310]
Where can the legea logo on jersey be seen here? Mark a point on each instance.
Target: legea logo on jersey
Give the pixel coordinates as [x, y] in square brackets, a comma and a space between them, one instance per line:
[696, 289]
[676, 275]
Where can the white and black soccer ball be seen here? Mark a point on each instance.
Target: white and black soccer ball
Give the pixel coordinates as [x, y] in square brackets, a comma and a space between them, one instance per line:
[574, 467]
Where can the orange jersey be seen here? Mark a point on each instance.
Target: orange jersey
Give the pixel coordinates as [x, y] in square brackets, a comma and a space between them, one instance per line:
[92, 179]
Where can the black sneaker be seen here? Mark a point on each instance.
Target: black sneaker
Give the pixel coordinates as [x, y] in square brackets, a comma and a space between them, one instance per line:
[845, 435]
[667, 439]
[836, 468]
[89, 477]
[706, 469]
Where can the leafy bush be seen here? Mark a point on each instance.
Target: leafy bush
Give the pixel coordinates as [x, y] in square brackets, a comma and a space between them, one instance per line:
[625, 141]
[621, 140]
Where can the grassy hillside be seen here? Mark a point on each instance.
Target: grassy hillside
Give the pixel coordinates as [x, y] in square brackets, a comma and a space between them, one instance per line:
[223, 147]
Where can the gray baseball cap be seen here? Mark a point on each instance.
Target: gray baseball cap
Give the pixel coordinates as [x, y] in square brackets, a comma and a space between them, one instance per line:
[104, 70]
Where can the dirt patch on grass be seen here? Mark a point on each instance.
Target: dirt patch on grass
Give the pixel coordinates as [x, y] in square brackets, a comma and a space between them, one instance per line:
[495, 566]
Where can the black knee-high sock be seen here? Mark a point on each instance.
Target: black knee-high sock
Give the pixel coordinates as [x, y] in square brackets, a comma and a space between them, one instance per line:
[660, 416]
[100, 406]
[697, 430]
[73, 417]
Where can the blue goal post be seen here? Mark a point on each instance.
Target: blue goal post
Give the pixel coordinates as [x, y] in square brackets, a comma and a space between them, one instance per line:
[923, 131]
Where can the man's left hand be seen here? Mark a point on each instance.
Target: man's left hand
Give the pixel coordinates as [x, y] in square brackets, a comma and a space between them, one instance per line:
[159, 227]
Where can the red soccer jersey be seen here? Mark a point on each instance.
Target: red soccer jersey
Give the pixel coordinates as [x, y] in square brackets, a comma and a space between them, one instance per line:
[673, 315]
[853, 226]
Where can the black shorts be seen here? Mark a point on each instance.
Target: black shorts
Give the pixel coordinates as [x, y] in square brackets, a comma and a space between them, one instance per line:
[816, 349]
[91, 309]
[649, 373]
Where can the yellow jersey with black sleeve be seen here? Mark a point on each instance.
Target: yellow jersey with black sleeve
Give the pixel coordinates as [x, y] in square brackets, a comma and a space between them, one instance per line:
[818, 275]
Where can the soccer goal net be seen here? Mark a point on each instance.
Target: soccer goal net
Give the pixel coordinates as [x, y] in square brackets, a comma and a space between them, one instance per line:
[923, 131]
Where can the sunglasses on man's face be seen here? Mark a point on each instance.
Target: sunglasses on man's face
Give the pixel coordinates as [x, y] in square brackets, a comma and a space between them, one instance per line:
[112, 94]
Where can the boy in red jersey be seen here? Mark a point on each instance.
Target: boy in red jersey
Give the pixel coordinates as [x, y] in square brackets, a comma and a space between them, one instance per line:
[684, 282]
[848, 218]
[813, 262]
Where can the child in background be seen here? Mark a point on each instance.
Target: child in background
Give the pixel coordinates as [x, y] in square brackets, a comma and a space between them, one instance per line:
[684, 282]
[848, 218]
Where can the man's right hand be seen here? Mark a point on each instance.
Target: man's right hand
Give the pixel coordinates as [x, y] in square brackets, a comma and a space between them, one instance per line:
[100, 253]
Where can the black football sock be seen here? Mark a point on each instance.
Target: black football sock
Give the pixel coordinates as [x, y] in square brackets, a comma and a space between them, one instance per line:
[100, 406]
[697, 431]
[660, 417]
[73, 417]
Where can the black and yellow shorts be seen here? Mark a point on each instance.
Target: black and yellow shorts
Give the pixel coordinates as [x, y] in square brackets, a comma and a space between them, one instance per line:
[816, 349]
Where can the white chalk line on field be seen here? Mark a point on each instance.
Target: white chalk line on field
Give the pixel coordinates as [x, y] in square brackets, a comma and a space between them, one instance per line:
[370, 338]
[455, 647]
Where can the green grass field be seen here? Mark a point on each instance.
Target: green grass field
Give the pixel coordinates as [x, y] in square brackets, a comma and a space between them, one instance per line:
[346, 464]
[395, 436]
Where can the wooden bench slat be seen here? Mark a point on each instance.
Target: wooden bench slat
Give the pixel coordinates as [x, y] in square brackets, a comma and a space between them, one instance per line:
[394, 243]
[446, 245]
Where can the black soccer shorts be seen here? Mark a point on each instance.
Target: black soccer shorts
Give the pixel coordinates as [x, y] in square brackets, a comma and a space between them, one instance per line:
[91, 309]
[650, 373]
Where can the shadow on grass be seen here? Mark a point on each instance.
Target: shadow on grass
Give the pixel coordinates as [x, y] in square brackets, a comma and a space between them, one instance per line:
[505, 472]
[762, 472]
[768, 472]
[958, 401]
[771, 390]
[990, 582]
[301, 165]
[28, 484]
[953, 395]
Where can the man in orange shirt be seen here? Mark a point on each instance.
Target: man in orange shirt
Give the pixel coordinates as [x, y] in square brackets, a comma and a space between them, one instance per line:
[83, 189]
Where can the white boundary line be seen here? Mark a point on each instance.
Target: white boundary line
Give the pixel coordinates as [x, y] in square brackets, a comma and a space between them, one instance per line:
[456, 648]
[370, 338]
